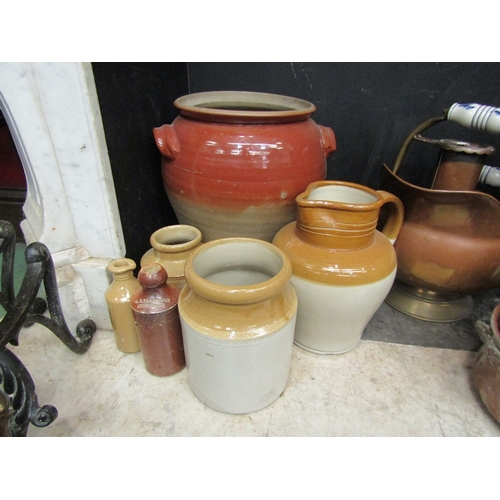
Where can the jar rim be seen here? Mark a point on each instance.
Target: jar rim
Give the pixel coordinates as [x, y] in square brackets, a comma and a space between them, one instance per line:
[235, 254]
[241, 106]
[175, 238]
[373, 198]
[121, 266]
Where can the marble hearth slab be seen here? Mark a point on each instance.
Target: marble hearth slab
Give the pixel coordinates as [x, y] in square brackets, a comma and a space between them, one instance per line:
[377, 389]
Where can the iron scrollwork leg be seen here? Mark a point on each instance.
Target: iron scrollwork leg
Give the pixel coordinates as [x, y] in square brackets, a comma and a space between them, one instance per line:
[7, 249]
[18, 401]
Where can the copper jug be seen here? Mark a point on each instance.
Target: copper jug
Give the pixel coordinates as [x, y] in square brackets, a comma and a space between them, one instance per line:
[449, 245]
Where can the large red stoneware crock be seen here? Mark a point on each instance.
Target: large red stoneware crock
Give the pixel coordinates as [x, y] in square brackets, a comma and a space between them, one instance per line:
[233, 162]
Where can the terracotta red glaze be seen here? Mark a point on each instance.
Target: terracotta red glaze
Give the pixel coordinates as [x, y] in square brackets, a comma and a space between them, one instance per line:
[229, 160]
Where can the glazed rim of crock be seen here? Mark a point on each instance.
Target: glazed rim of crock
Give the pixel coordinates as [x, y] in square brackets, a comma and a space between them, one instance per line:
[238, 294]
[200, 104]
[163, 239]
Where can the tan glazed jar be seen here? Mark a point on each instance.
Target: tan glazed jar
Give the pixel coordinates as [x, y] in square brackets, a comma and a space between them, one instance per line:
[171, 246]
[238, 313]
[343, 268]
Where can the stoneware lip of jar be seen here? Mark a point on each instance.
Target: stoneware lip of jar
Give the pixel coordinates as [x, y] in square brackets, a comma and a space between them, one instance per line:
[164, 239]
[235, 105]
[227, 254]
[120, 266]
[355, 196]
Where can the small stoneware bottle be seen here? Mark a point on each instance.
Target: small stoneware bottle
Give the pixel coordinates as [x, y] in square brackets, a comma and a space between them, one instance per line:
[171, 246]
[156, 315]
[117, 297]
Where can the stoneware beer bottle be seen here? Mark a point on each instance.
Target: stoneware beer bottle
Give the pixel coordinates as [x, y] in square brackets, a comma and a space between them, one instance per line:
[156, 315]
[117, 297]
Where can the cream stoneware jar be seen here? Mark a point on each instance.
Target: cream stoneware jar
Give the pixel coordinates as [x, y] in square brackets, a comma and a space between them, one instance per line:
[343, 267]
[238, 313]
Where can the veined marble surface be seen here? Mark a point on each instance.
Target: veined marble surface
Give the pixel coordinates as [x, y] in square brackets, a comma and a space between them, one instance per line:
[376, 389]
[53, 114]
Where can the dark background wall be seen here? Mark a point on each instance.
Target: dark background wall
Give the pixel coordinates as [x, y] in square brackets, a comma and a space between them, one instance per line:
[134, 98]
[372, 107]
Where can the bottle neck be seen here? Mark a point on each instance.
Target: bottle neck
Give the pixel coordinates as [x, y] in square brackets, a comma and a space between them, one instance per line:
[123, 276]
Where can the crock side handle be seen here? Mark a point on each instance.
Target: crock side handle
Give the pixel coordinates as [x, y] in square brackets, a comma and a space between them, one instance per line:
[167, 141]
[394, 221]
[328, 139]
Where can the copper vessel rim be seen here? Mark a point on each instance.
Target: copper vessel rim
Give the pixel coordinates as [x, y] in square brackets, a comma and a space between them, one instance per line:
[439, 191]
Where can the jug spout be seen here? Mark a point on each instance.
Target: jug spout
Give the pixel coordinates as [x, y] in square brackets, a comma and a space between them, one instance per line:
[460, 164]
[344, 215]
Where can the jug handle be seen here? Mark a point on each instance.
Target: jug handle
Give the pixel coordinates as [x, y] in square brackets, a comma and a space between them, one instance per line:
[167, 141]
[328, 139]
[394, 221]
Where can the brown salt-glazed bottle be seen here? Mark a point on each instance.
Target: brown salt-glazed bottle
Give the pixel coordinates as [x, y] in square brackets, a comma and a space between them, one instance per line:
[156, 316]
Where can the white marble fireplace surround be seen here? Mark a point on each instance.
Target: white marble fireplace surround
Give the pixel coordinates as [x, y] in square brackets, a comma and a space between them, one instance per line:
[53, 114]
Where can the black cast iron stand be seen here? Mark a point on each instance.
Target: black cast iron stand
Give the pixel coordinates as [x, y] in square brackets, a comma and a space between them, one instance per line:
[18, 401]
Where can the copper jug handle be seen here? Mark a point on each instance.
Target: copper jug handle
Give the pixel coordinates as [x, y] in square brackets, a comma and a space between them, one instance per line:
[406, 144]
[476, 116]
[394, 221]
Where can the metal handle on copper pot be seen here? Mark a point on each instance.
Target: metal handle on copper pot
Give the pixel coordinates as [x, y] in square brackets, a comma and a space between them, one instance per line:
[404, 148]
[477, 116]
